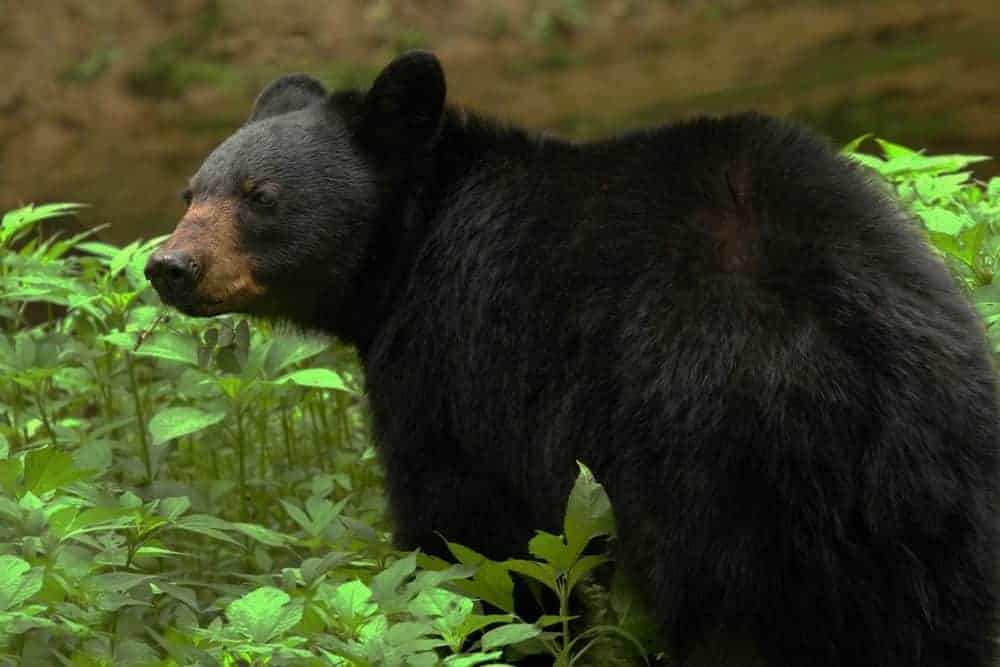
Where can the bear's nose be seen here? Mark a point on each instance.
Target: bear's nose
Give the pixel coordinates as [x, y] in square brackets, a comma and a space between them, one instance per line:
[174, 273]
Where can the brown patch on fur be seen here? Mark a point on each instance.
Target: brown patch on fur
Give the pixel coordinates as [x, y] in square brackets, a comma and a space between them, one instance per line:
[730, 223]
[209, 233]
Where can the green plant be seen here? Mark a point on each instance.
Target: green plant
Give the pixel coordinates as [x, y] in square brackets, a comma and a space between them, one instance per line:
[960, 214]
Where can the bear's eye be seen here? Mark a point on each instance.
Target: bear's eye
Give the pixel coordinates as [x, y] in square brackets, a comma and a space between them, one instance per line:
[186, 195]
[264, 197]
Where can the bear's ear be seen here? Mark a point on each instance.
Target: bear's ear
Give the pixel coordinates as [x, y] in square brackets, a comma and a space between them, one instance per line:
[403, 109]
[289, 93]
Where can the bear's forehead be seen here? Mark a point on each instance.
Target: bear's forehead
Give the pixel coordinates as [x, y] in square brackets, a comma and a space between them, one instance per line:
[274, 146]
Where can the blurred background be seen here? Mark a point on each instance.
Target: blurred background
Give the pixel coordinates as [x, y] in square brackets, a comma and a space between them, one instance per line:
[116, 102]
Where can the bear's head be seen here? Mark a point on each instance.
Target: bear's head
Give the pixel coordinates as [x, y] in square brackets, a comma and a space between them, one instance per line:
[283, 217]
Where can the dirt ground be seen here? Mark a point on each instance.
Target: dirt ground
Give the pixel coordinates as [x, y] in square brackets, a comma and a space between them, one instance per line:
[115, 103]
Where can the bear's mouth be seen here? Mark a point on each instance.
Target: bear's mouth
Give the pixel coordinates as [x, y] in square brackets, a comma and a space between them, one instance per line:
[202, 269]
[201, 305]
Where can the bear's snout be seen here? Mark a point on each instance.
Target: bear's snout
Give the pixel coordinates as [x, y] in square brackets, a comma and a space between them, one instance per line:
[174, 274]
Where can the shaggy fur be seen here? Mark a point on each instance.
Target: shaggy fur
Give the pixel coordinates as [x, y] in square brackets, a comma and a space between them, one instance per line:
[791, 405]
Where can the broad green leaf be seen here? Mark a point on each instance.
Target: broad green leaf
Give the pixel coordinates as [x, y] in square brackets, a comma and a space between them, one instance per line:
[287, 350]
[917, 163]
[261, 534]
[299, 517]
[168, 345]
[993, 188]
[118, 581]
[552, 549]
[322, 378]
[943, 221]
[893, 151]
[934, 189]
[322, 511]
[588, 512]
[439, 603]
[385, 585]
[584, 566]
[180, 593]
[491, 583]
[174, 507]
[373, 630]
[869, 161]
[48, 469]
[210, 526]
[509, 634]
[263, 614]
[471, 659]
[17, 581]
[176, 422]
[543, 573]
[352, 600]
[852, 146]
[21, 219]
[160, 344]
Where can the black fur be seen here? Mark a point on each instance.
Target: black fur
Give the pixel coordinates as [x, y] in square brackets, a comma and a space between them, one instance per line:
[790, 404]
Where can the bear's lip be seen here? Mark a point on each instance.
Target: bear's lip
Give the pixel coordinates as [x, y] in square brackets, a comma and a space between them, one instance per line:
[199, 305]
[195, 306]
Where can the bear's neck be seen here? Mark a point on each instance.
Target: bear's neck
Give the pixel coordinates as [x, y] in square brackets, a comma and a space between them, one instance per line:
[470, 150]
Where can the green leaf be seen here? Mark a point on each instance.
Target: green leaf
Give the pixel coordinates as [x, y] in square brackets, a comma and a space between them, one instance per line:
[438, 603]
[588, 512]
[351, 600]
[870, 161]
[176, 422]
[263, 614]
[171, 346]
[584, 566]
[209, 526]
[323, 512]
[322, 378]
[299, 517]
[935, 189]
[491, 583]
[471, 659]
[893, 151]
[261, 534]
[552, 549]
[17, 581]
[173, 507]
[160, 344]
[385, 584]
[19, 220]
[48, 469]
[543, 573]
[287, 350]
[993, 188]
[852, 146]
[509, 634]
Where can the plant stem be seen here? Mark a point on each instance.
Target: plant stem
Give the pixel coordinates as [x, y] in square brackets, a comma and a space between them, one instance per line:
[45, 418]
[241, 456]
[143, 440]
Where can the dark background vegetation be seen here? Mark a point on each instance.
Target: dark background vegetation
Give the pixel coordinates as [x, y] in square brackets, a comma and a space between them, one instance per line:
[116, 102]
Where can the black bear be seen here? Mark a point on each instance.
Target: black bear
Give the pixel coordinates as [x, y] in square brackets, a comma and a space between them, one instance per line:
[791, 405]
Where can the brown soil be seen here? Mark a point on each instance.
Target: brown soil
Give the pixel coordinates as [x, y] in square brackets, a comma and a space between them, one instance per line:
[115, 103]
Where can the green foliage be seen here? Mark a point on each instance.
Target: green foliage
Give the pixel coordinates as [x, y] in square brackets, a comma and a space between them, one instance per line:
[177, 491]
[205, 492]
[960, 214]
